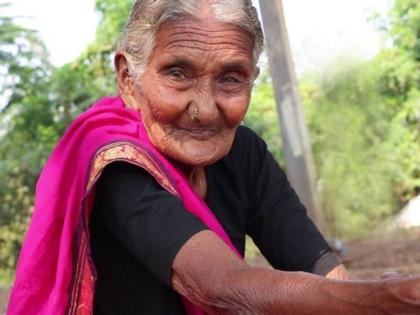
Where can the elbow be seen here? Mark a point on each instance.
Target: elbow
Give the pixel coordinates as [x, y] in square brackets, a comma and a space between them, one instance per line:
[210, 275]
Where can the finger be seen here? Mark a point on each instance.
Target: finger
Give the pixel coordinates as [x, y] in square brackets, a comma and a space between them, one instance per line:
[394, 275]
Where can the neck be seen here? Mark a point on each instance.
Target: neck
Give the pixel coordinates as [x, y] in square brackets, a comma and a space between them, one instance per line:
[196, 176]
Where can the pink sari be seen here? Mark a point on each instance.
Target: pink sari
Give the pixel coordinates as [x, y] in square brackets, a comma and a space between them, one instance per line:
[55, 273]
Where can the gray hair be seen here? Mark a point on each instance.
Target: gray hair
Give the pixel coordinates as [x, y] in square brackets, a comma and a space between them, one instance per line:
[138, 38]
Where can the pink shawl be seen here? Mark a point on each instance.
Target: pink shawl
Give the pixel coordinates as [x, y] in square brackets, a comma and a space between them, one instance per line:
[55, 274]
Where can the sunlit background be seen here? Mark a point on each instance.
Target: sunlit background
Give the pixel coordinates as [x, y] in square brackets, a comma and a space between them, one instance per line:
[319, 30]
[359, 79]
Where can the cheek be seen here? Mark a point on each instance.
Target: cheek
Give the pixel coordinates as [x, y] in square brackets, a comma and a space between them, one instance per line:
[234, 109]
[164, 103]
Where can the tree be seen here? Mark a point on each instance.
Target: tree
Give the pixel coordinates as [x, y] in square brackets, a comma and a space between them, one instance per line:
[399, 82]
[41, 102]
[26, 131]
[349, 129]
[365, 123]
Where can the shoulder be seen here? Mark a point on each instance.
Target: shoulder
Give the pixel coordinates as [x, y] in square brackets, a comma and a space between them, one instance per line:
[247, 156]
[247, 143]
[121, 182]
[254, 161]
[119, 172]
[249, 151]
[246, 134]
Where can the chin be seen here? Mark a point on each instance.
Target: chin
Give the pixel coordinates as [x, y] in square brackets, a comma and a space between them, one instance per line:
[199, 160]
[204, 161]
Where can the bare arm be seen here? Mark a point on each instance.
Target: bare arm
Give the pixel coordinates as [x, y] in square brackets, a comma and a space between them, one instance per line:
[210, 275]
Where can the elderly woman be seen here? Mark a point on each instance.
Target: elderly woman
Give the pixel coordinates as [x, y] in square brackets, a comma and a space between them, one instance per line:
[144, 205]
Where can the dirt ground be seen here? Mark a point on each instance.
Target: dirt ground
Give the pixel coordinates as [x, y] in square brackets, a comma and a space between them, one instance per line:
[369, 258]
[365, 259]
[399, 251]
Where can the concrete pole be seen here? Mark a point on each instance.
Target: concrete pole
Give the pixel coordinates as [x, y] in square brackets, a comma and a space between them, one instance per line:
[296, 145]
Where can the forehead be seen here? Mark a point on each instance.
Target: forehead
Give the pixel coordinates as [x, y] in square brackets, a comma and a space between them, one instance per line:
[203, 39]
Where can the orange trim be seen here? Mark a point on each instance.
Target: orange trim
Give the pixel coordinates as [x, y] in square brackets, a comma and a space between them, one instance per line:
[77, 277]
[125, 151]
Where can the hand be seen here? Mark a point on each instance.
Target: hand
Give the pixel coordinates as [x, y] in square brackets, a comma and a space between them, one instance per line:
[403, 293]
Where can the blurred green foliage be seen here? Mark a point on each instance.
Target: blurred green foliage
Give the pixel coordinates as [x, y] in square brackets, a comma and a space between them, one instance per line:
[350, 139]
[26, 129]
[364, 120]
[262, 115]
[41, 102]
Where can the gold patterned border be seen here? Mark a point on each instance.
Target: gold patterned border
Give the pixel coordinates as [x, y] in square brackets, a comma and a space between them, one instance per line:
[125, 151]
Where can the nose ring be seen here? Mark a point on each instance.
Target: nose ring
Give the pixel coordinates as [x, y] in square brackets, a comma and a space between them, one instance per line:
[193, 110]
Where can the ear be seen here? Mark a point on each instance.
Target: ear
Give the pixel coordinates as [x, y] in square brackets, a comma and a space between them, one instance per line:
[124, 78]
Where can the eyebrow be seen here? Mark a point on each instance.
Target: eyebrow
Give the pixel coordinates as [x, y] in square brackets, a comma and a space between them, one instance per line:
[236, 66]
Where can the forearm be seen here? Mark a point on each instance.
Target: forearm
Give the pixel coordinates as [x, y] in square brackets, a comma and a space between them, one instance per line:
[265, 291]
[222, 284]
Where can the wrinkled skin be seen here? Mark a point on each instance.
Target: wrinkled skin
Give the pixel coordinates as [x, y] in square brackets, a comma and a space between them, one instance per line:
[207, 272]
[201, 65]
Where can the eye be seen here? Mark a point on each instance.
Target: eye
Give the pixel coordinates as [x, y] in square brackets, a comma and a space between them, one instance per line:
[229, 79]
[177, 74]
[232, 82]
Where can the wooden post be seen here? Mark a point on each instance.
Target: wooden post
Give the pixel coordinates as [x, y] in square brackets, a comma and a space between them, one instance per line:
[296, 145]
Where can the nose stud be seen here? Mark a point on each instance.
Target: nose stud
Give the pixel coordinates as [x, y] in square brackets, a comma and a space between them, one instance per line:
[193, 110]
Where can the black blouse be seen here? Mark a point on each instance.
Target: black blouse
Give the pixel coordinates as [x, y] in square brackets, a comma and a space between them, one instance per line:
[137, 227]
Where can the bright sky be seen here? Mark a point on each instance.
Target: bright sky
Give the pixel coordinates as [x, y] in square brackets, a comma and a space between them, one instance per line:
[322, 29]
[66, 26]
[318, 30]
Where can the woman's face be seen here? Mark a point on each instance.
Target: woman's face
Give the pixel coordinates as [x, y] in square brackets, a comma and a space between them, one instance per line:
[196, 89]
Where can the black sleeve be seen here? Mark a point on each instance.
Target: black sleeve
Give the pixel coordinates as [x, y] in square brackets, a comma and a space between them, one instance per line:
[149, 222]
[278, 222]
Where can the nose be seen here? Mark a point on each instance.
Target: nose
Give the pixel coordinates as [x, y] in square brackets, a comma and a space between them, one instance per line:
[207, 110]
